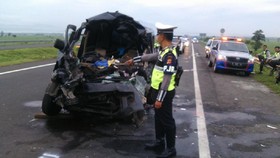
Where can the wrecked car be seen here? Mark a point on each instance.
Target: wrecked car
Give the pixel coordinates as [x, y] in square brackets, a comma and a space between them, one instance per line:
[92, 77]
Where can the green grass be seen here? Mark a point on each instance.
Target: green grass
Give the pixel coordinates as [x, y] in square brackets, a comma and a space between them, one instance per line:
[270, 46]
[30, 37]
[28, 40]
[18, 56]
[267, 80]
[264, 78]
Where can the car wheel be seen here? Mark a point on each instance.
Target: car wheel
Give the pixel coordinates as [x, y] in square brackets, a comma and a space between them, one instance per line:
[49, 107]
[247, 73]
[138, 117]
[215, 67]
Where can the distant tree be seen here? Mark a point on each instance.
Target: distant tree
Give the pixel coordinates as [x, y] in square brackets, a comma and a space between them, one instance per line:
[257, 38]
[2, 33]
[9, 34]
[248, 42]
[14, 36]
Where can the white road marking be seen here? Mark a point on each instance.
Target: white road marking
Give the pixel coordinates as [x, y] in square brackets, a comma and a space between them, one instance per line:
[203, 143]
[24, 69]
[188, 70]
[48, 155]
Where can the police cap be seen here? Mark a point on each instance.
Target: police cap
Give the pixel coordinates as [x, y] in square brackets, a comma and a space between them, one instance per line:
[162, 28]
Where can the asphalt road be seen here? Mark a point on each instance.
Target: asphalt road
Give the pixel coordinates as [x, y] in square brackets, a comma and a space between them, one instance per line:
[242, 118]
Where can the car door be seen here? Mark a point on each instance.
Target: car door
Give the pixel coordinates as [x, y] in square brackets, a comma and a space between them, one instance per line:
[214, 52]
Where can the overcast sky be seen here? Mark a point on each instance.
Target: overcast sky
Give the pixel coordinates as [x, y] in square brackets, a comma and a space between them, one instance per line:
[237, 17]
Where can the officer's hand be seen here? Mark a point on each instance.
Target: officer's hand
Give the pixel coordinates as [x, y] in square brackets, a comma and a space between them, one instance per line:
[158, 104]
[129, 62]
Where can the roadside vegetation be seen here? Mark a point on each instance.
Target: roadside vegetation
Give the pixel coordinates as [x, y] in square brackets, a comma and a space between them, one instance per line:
[26, 47]
[18, 56]
[255, 44]
[27, 39]
[265, 79]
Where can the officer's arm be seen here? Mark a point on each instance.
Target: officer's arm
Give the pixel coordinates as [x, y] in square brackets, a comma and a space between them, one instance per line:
[169, 69]
[163, 88]
[267, 54]
[146, 57]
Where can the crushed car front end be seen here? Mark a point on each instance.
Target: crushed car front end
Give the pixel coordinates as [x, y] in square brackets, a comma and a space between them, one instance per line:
[95, 80]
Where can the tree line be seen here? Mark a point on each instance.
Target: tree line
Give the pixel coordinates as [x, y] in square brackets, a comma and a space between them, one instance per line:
[8, 34]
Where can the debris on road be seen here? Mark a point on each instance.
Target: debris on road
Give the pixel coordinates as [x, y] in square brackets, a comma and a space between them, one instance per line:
[272, 127]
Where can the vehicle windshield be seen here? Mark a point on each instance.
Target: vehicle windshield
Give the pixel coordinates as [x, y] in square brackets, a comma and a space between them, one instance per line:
[234, 46]
[209, 42]
[175, 39]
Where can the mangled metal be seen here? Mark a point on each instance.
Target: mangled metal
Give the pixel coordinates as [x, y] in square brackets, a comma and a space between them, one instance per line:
[95, 79]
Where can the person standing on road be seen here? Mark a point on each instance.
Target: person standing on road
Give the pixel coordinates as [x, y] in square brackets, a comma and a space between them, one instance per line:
[263, 57]
[274, 60]
[162, 91]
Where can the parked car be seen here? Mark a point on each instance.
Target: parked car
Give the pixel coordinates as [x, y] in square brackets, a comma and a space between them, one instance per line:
[94, 80]
[186, 43]
[195, 40]
[209, 45]
[178, 44]
[231, 54]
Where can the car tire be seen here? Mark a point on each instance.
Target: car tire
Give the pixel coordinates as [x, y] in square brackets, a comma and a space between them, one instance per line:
[247, 73]
[138, 117]
[215, 67]
[49, 107]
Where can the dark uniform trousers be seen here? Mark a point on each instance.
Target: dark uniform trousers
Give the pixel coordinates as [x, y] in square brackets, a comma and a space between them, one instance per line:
[165, 126]
[262, 60]
[274, 63]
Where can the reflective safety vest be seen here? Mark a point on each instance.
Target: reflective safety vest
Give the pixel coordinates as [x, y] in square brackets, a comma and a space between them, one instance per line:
[277, 54]
[157, 75]
[264, 54]
[156, 44]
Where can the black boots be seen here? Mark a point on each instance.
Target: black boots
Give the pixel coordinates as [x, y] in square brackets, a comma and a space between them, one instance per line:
[168, 153]
[158, 145]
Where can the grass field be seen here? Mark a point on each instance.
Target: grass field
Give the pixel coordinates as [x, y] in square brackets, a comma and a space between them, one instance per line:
[18, 56]
[265, 79]
[28, 39]
[270, 46]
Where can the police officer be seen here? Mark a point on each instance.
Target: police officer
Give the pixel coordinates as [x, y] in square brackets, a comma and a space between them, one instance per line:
[274, 60]
[263, 56]
[163, 91]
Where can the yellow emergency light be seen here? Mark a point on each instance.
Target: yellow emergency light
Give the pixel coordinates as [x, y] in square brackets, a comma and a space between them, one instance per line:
[238, 39]
[224, 38]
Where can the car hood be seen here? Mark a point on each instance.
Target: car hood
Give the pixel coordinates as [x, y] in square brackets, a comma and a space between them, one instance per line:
[236, 54]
